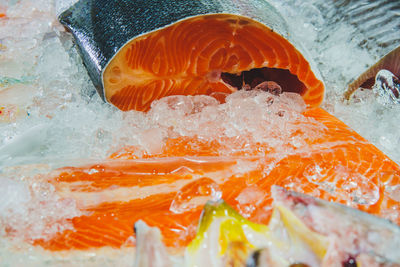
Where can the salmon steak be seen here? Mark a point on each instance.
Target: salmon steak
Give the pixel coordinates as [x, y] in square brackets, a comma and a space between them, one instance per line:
[203, 56]
[233, 68]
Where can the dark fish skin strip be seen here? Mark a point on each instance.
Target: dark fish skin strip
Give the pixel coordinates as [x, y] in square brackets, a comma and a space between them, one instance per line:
[102, 27]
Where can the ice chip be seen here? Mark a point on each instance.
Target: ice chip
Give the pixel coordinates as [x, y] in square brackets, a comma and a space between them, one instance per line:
[392, 186]
[314, 173]
[350, 187]
[250, 199]
[353, 188]
[195, 194]
[202, 101]
[174, 102]
[359, 190]
[294, 101]
[387, 87]
[14, 195]
[393, 192]
[152, 140]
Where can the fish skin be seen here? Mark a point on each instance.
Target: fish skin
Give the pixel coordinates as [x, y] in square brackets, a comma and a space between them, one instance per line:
[101, 28]
[371, 26]
[375, 25]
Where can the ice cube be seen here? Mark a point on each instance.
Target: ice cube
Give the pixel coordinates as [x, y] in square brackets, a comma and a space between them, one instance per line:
[195, 194]
[250, 199]
[14, 195]
[387, 87]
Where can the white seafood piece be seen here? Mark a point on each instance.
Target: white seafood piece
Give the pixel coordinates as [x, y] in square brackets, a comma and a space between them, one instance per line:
[150, 251]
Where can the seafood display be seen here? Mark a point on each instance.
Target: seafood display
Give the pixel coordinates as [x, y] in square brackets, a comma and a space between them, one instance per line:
[220, 152]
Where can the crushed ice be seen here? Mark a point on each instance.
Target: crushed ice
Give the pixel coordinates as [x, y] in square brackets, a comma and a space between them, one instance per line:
[247, 118]
[32, 210]
[346, 185]
[62, 120]
[195, 195]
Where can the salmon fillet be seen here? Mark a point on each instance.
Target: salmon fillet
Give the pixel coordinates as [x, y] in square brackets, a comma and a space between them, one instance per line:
[167, 190]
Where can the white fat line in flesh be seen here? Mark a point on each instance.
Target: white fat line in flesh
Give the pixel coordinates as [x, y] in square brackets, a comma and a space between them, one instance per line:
[125, 194]
[87, 200]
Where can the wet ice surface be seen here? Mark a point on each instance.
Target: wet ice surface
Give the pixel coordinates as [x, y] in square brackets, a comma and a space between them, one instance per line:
[31, 210]
[54, 116]
[355, 189]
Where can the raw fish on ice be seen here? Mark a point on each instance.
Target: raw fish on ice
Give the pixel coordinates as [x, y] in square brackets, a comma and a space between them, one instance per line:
[145, 55]
[320, 156]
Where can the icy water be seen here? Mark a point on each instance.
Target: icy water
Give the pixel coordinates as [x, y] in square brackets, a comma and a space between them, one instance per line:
[51, 115]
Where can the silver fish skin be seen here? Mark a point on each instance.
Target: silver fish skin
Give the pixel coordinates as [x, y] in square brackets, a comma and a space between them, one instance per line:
[375, 23]
[102, 27]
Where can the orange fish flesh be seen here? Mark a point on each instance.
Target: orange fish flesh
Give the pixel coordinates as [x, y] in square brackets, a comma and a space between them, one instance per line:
[191, 56]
